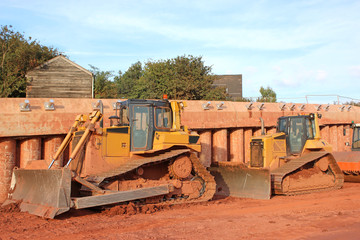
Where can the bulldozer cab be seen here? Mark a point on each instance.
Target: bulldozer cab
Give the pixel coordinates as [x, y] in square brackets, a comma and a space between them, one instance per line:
[298, 129]
[144, 118]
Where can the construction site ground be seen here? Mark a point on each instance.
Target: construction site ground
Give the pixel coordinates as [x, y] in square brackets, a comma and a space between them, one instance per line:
[322, 215]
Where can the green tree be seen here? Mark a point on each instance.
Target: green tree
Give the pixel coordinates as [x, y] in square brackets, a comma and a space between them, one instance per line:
[183, 77]
[267, 95]
[244, 99]
[103, 86]
[127, 82]
[352, 102]
[18, 55]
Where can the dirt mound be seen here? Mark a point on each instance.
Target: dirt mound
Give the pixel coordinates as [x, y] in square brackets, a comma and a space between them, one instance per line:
[12, 207]
[306, 173]
[132, 209]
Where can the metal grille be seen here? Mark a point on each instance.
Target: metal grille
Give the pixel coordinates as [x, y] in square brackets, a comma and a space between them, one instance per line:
[279, 146]
[257, 159]
[76, 139]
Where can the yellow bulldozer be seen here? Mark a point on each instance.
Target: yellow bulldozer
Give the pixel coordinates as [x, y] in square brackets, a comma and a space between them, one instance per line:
[349, 162]
[294, 160]
[143, 156]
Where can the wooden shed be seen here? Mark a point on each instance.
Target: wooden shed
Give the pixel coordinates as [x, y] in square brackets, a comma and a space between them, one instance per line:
[59, 78]
[232, 83]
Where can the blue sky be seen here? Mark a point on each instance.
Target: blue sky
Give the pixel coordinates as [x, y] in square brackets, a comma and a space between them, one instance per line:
[298, 48]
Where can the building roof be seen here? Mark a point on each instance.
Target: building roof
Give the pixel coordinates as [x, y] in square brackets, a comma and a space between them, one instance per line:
[57, 58]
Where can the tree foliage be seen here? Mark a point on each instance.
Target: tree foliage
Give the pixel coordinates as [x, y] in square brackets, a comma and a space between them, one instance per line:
[354, 103]
[18, 55]
[267, 95]
[128, 82]
[183, 77]
[103, 86]
[244, 99]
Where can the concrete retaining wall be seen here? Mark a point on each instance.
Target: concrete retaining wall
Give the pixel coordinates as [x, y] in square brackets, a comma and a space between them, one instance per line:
[225, 128]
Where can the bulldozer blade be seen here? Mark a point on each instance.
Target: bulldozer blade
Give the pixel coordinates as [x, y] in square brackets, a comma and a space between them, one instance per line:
[41, 192]
[349, 163]
[237, 180]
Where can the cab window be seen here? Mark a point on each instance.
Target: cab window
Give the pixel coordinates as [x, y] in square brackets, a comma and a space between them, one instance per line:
[296, 131]
[356, 137]
[124, 117]
[282, 125]
[356, 134]
[162, 117]
[310, 128]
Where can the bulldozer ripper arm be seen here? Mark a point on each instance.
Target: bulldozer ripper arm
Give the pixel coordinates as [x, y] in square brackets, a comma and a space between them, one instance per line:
[95, 116]
[67, 139]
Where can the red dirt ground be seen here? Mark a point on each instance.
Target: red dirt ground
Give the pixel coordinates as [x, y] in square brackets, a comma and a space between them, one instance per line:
[322, 215]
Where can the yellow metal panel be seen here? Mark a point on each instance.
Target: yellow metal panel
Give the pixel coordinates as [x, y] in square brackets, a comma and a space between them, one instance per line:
[273, 149]
[118, 144]
[176, 115]
[268, 150]
[317, 145]
[171, 137]
[164, 140]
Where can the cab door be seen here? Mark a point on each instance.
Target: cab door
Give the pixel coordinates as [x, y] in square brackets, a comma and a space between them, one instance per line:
[140, 127]
[296, 137]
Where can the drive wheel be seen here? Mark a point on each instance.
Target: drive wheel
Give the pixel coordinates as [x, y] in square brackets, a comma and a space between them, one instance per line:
[181, 167]
[323, 164]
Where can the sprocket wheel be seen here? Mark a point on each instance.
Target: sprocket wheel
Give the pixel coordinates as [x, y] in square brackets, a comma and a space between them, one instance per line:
[181, 167]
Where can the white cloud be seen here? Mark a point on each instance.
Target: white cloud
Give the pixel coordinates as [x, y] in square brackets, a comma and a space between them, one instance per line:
[289, 82]
[278, 70]
[321, 75]
[355, 71]
[250, 69]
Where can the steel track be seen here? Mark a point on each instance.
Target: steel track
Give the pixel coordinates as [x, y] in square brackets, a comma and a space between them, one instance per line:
[199, 170]
[279, 173]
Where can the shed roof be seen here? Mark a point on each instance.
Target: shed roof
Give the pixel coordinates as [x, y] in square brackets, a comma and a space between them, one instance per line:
[63, 58]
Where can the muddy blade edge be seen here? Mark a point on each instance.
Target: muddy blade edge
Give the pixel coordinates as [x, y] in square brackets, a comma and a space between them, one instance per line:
[44, 193]
[349, 163]
[242, 182]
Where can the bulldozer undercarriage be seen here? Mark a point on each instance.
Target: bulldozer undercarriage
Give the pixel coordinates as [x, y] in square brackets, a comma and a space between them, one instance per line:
[180, 169]
[314, 171]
